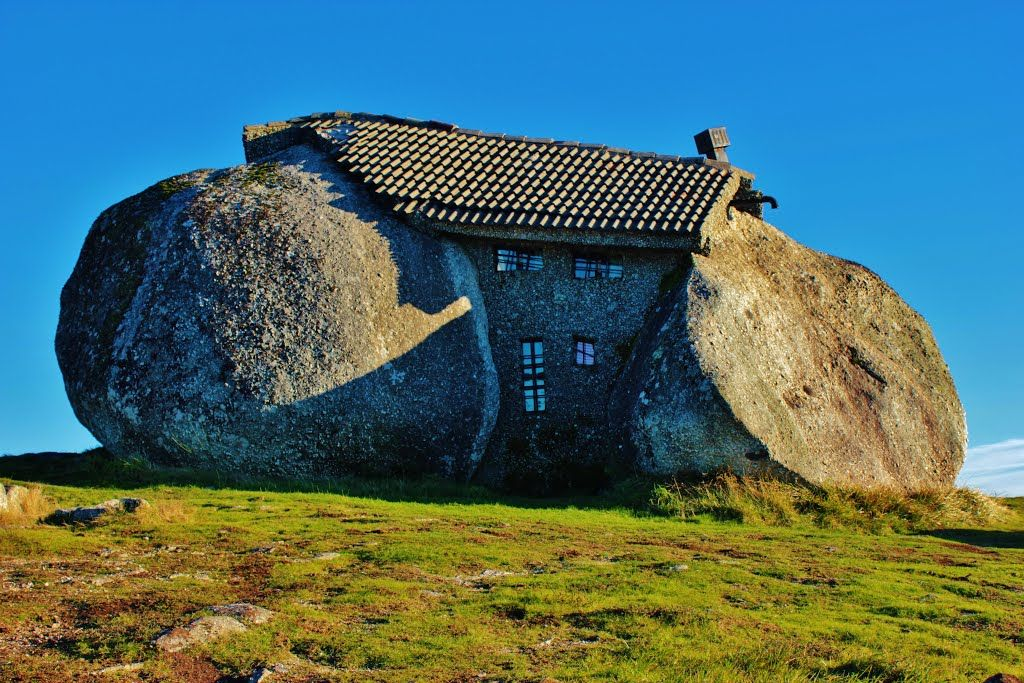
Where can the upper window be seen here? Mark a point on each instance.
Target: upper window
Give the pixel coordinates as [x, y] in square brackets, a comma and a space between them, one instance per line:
[583, 352]
[594, 267]
[517, 259]
[534, 391]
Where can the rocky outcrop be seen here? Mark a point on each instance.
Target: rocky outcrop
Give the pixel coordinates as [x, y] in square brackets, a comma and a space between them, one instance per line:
[270, 318]
[89, 514]
[771, 356]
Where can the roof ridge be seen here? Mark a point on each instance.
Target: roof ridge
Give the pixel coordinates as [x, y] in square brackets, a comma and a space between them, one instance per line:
[339, 116]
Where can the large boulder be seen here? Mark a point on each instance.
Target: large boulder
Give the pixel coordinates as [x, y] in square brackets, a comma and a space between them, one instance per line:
[270, 318]
[769, 356]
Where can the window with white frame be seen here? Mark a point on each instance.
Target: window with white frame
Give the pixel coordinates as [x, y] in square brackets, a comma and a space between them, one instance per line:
[508, 259]
[534, 390]
[596, 267]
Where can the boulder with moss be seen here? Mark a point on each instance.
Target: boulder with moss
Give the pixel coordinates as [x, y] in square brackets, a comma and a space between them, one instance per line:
[254, 319]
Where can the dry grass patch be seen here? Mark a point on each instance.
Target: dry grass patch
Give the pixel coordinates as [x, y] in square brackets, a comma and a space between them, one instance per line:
[165, 511]
[752, 500]
[26, 507]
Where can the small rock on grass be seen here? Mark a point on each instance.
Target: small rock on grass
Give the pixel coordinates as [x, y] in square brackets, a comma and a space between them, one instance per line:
[120, 668]
[1002, 678]
[198, 631]
[244, 612]
[89, 514]
[226, 620]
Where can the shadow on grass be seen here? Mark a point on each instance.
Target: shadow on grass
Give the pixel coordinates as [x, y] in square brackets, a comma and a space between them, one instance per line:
[982, 538]
[99, 469]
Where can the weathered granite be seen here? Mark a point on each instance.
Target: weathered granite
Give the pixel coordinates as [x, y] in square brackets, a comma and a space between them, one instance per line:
[772, 356]
[270, 318]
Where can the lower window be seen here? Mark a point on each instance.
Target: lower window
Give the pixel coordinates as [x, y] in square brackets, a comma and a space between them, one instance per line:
[534, 394]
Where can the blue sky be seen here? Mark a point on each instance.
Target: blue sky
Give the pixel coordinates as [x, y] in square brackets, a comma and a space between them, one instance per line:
[890, 132]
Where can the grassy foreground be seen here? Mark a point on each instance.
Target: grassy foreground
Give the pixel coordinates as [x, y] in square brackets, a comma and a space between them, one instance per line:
[390, 581]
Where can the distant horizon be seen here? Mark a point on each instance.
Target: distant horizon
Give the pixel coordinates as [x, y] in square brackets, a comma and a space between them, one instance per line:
[882, 145]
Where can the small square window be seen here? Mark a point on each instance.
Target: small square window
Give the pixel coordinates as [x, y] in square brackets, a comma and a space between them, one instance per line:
[594, 267]
[517, 259]
[583, 352]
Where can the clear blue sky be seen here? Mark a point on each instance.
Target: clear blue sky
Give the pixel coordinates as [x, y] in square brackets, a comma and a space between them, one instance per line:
[891, 133]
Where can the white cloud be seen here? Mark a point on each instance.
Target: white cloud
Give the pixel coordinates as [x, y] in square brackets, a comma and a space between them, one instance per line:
[997, 469]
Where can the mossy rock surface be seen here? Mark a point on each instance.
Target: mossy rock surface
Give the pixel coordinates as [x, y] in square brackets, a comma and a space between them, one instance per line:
[270, 318]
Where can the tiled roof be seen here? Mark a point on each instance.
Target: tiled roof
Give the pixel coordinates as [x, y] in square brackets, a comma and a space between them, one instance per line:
[448, 174]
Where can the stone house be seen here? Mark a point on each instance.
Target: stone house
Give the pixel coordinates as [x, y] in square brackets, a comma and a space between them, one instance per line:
[395, 297]
[573, 245]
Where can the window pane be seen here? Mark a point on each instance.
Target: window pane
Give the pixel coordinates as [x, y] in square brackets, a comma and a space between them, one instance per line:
[533, 375]
[595, 267]
[514, 259]
[506, 259]
[583, 352]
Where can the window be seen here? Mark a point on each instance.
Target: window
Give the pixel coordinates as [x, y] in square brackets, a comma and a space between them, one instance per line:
[583, 352]
[534, 395]
[597, 267]
[515, 259]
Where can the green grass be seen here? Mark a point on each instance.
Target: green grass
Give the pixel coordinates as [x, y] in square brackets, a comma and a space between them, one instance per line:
[729, 580]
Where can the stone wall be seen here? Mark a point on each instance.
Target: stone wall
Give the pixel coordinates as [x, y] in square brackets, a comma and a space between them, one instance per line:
[571, 442]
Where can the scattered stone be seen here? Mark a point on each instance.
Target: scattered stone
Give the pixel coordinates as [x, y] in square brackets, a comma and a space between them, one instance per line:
[120, 668]
[261, 675]
[90, 514]
[1002, 678]
[198, 631]
[244, 612]
[679, 568]
[327, 556]
[483, 578]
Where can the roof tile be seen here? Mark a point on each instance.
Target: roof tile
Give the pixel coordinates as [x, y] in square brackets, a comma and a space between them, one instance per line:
[447, 173]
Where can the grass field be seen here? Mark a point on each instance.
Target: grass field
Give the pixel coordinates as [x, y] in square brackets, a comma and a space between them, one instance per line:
[396, 581]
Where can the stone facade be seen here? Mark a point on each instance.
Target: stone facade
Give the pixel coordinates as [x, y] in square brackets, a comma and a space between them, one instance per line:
[568, 444]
